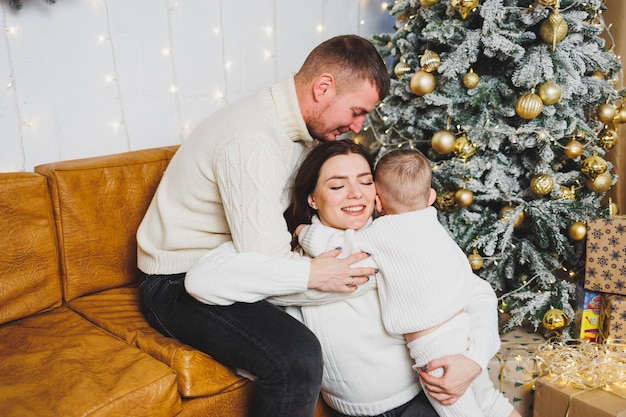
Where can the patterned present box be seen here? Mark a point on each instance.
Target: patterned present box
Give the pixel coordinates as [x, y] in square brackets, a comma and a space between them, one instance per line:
[605, 269]
[509, 374]
[612, 318]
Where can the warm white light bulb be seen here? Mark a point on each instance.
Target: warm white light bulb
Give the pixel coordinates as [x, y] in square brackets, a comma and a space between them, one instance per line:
[218, 94]
[228, 65]
[174, 89]
[166, 51]
[320, 28]
[268, 30]
[11, 30]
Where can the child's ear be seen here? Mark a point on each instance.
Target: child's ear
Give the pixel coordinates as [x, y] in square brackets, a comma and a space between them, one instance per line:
[432, 197]
[311, 202]
[379, 204]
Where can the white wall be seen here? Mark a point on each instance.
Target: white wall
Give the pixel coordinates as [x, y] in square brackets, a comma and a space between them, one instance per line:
[91, 77]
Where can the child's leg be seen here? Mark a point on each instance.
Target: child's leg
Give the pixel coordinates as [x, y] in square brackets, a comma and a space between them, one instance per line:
[481, 398]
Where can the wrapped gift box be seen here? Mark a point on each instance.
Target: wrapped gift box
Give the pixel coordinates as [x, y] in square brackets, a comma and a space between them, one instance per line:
[552, 400]
[587, 319]
[605, 269]
[612, 318]
[508, 372]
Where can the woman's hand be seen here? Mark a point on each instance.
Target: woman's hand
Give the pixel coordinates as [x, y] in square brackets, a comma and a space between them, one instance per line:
[329, 273]
[458, 373]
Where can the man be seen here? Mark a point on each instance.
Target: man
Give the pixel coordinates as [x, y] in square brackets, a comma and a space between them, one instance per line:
[230, 180]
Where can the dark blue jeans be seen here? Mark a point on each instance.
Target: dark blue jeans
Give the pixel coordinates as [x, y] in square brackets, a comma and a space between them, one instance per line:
[259, 337]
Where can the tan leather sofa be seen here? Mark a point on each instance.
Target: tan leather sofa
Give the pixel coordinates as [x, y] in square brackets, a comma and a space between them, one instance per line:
[73, 341]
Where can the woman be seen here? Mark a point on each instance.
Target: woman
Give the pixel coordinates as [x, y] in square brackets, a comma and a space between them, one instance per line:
[366, 370]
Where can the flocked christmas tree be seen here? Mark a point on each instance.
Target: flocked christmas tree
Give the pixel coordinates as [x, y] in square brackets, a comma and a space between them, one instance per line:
[515, 103]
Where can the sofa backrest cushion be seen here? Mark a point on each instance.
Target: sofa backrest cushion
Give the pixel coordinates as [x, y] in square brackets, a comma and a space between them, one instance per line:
[98, 205]
[29, 267]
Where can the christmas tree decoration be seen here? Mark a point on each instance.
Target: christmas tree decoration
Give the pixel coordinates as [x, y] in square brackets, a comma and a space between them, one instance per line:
[529, 106]
[549, 92]
[608, 138]
[613, 208]
[423, 83]
[463, 148]
[428, 3]
[600, 183]
[464, 7]
[573, 149]
[430, 61]
[464, 197]
[445, 201]
[578, 231]
[554, 29]
[555, 320]
[476, 261]
[606, 112]
[542, 184]
[593, 166]
[443, 141]
[471, 79]
[505, 212]
[401, 68]
[568, 193]
[524, 153]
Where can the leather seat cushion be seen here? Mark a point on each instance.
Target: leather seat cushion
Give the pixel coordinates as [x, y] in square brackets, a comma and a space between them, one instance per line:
[117, 311]
[29, 271]
[58, 364]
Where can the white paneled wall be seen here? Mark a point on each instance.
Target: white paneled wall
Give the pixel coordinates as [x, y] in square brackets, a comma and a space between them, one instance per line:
[91, 77]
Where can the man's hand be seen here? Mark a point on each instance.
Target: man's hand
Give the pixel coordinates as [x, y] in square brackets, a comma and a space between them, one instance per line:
[329, 273]
[458, 373]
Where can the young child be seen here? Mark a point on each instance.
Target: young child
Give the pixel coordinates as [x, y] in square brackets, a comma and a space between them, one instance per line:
[425, 278]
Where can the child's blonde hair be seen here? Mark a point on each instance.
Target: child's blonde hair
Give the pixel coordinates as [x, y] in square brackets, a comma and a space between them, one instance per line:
[403, 180]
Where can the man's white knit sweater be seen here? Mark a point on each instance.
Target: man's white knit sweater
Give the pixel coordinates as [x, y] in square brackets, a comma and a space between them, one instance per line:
[231, 180]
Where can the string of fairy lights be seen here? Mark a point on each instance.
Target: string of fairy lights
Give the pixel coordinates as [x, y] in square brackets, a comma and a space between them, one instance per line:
[14, 34]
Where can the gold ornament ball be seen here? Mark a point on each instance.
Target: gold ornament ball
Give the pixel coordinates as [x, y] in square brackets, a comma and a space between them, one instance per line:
[464, 197]
[528, 106]
[554, 29]
[606, 112]
[601, 183]
[471, 79]
[598, 75]
[504, 215]
[443, 142]
[593, 166]
[464, 148]
[430, 61]
[547, 2]
[428, 3]
[464, 6]
[542, 184]
[423, 83]
[475, 260]
[578, 231]
[555, 320]
[549, 92]
[573, 149]
[568, 193]
[401, 68]
[608, 138]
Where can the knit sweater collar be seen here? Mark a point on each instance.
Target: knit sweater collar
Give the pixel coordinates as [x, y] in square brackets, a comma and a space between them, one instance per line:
[288, 110]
